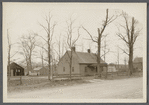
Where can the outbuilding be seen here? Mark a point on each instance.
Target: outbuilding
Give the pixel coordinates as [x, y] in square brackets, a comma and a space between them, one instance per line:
[16, 70]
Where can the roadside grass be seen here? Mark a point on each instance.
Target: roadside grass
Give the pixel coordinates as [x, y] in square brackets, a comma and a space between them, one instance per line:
[27, 81]
[122, 75]
[32, 84]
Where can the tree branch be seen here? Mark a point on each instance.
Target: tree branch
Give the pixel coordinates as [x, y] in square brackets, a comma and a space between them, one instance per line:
[44, 28]
[122, 37]
[90, 35]
[124, 51]
[105, 53]
[52, 31]
[14, 54]
[41, 37]
[77, 37]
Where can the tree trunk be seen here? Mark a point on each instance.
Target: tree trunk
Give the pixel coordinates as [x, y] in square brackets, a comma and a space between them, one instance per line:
[130, 61]
[42, 61]
[98, 56]
[9, 72]
[27, 67]
[70, 63]
[30, 64]
[49, 61]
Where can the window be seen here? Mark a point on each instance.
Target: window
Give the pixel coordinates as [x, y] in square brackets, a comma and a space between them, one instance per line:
[72, 69]
[63, 69]
[85, 69]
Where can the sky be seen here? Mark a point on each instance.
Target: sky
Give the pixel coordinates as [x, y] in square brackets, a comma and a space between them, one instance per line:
[22, 18]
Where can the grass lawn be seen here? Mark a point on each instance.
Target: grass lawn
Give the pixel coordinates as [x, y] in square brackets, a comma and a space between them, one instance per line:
[42, 82]
[122, 75]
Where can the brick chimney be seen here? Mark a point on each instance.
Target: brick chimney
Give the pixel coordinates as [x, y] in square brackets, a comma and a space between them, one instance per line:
[73, 49]
[88, 50]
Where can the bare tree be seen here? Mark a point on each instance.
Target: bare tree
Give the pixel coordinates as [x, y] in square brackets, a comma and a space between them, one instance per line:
[71, 41]
[9, 49]
[118, 57]
[63, 44]
[49, 29]
[42, 56]
[106, 22]
[129, 37]
[9, 54]
[59, 47]
[28, 44]
[125, 62]
[105, 52]
[54, 61]
[105, 49]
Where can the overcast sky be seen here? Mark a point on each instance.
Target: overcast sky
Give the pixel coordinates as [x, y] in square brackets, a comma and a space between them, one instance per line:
[21, 18]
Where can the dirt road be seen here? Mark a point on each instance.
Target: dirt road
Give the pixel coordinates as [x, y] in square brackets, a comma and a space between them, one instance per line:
[104, 89]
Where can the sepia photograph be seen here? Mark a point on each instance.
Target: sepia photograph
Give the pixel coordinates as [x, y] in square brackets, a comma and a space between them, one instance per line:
[74, 52]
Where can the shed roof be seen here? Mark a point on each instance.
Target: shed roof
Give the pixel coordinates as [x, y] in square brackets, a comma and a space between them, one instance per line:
[14, 65]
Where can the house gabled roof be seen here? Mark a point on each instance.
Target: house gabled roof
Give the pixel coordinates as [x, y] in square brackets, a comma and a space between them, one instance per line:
[138, 59]
[85, 58]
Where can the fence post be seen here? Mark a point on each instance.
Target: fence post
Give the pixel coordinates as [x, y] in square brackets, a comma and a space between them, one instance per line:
[20, 80]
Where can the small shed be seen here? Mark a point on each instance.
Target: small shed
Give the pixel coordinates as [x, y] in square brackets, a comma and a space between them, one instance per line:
[16, 70]
[44, 71]
[37, 70]
[138, 64]
[112, 68]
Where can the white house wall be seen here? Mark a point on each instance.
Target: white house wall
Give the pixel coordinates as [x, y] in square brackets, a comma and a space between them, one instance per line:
[82, 69]
[64, 62]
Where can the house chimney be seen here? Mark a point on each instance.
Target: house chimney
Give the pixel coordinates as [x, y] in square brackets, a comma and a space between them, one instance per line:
[88, 50]
[73, 49]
